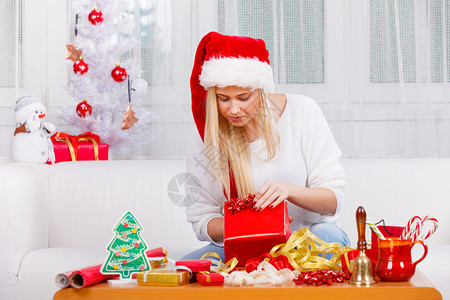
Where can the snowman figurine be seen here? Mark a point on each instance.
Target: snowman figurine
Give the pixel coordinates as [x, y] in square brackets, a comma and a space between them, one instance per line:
[31, 141]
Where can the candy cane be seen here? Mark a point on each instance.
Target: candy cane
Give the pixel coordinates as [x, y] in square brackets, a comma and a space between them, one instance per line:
[414, 228]
[375, 230]
[414, 234]
[432, 230]
[406, 233]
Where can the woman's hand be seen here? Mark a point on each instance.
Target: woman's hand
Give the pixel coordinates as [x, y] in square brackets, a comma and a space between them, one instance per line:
[270, 195]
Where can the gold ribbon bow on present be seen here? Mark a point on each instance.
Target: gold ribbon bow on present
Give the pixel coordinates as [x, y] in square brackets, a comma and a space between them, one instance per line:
[72, 142]
[306, 252]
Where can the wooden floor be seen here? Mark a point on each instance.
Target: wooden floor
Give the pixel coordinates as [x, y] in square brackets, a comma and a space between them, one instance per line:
[417, 288]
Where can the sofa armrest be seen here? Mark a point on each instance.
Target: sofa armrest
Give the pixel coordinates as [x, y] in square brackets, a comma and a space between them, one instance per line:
[24, 214]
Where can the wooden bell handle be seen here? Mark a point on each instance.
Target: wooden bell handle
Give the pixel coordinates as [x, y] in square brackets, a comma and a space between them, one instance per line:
[361, 226]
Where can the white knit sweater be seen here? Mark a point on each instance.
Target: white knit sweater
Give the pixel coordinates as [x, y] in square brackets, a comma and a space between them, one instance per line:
[308, 156]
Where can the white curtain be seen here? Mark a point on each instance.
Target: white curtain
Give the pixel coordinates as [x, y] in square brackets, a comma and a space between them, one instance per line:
[379, 69]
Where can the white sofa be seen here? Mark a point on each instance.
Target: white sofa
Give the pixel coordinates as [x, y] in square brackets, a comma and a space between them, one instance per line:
[57, 218]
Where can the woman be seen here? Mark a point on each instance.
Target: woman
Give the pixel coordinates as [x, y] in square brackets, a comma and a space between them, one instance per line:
[249, 140]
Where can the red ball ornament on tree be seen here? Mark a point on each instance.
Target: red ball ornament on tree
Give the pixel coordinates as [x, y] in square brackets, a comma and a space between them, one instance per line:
[96, 16]
[119, 74]
[80, 67]
[84, 109]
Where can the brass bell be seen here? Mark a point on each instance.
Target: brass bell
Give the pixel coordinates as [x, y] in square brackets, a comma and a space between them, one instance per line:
[362, 266]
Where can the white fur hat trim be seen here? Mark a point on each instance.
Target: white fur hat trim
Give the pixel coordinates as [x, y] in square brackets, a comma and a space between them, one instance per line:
[243, 72]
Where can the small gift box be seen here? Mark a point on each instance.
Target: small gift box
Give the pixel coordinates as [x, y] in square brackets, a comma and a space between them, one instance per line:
[86, 146]
[195, 265]
[248, 234]
[163, 277]
[208, 278]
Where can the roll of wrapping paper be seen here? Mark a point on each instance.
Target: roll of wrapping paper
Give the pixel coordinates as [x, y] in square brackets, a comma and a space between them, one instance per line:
[90, 275]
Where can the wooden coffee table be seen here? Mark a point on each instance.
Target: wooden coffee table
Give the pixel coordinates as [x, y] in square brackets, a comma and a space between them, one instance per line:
[417, 288]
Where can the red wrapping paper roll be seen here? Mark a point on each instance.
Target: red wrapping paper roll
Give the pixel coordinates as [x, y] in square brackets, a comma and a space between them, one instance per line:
[84, 277]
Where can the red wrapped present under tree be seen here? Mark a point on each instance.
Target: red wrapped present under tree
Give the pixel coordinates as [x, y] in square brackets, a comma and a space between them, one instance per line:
[86, 146]
[249, 234]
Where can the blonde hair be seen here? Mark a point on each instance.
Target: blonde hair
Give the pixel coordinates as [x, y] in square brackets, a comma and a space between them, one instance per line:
[229, 147]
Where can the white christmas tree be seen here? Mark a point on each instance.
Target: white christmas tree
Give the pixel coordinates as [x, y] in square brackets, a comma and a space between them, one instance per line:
[107, 74]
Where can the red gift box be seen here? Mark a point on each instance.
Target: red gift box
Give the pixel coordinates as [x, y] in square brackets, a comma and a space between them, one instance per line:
[207, 278]
[249, 234]
[195, 265]
[388, 232]
[86, 146]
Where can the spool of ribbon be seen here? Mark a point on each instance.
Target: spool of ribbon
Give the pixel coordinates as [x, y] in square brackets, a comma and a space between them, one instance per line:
[306, 252]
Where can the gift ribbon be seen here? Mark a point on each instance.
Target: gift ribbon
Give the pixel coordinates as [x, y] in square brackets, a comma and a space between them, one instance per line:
[347, 261]
[222, 268]
[207, 275]
[279, 262]
[321, 277]
[306, 252]
[72, 142]
[65, 137]
[236, 205]
[94, 142]
[264, 273]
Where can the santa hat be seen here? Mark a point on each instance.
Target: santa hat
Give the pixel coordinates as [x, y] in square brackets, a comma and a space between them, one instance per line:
[223, 60]
[25, 108]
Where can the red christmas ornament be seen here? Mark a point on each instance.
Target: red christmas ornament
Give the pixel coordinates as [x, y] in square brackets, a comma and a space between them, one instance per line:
[84, 109]
[119, 74]
[80, 67]
[96, 16]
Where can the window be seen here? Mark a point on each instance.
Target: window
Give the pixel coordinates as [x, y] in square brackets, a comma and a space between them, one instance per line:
[378, 69]
[11, 72]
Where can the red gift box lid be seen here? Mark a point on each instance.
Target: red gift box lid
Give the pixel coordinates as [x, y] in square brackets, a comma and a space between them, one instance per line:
[195, 265]
[210, 278]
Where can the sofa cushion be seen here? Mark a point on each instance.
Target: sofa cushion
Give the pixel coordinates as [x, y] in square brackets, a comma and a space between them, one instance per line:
[39, 269]
[87, 202]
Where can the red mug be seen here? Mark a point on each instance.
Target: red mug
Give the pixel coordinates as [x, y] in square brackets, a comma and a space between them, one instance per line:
[394, 259]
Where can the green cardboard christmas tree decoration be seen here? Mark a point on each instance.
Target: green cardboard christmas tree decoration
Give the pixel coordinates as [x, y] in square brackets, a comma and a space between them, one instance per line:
[127, 249]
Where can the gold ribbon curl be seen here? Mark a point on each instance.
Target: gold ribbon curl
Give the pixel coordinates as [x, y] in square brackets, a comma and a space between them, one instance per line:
[221, 267]
[306, 252]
